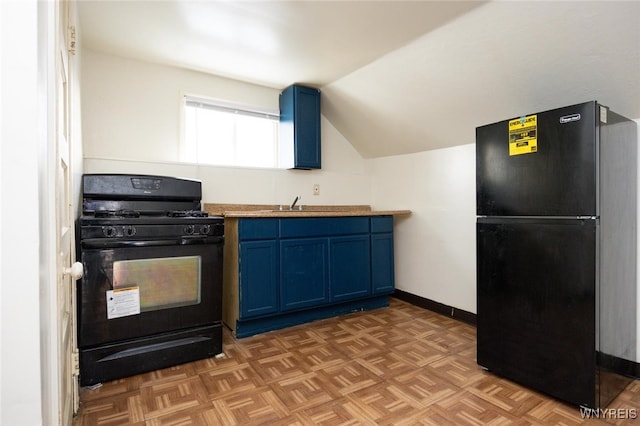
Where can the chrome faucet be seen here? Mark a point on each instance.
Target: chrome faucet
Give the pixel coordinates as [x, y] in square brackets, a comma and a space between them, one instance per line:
[298, 198]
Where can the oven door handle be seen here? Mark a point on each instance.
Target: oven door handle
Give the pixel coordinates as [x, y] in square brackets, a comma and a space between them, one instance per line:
[184, 241]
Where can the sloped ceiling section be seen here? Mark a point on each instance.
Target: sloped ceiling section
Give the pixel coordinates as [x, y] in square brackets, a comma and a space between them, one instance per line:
[273, 43]
[396, 76]
[498, 61]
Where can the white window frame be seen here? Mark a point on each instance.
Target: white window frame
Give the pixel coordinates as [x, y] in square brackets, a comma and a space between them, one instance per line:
[223, 106]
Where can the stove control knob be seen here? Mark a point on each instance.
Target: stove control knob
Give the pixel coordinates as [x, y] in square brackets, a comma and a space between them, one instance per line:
[189, 229]
[109, 231]
[204, 229]
[129, 231]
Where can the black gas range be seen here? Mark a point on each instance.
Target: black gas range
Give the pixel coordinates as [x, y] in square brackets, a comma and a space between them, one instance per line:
[151, 295]
[142, 206]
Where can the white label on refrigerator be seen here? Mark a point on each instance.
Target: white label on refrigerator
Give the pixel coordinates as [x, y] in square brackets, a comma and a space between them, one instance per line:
[603, 114]
[123, 302]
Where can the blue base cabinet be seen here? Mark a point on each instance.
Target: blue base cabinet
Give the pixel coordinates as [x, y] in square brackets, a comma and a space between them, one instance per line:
[286, 271]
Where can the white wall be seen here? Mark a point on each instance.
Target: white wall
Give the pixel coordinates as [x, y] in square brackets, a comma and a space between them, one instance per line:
[20, 380]
[130, 113]
[435, 246]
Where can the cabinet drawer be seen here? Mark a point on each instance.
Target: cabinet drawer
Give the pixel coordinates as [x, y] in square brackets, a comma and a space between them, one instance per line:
[322, 227]
[381, 224]
[257, 229]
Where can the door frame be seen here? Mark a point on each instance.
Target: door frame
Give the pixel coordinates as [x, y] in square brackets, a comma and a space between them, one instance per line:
[52, 42]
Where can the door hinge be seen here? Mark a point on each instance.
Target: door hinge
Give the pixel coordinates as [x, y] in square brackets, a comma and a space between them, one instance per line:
[75, 363]
[72, 39]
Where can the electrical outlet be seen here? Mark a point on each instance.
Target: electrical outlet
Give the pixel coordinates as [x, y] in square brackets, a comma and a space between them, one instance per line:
[316, 189]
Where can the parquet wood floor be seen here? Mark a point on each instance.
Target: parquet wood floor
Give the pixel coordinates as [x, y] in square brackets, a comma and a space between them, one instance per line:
[401, 365]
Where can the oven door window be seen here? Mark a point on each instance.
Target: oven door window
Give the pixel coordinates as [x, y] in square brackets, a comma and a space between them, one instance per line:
[160, 283]
[138, 291]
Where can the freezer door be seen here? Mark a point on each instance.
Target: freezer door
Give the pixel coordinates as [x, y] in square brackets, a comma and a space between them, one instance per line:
[536, 304]
[553, 171]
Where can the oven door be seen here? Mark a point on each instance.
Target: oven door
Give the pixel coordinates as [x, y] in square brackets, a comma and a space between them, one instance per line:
[134, 289]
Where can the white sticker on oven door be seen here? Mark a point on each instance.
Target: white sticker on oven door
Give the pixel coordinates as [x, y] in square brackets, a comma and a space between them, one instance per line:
[123, 302]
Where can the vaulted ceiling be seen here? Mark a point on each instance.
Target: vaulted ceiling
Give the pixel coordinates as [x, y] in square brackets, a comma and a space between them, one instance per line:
[396, 76]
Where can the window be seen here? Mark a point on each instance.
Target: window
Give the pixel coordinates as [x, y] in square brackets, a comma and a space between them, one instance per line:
[229, 135]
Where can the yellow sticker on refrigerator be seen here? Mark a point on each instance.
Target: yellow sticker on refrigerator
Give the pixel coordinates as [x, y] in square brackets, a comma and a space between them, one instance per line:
[523, 135]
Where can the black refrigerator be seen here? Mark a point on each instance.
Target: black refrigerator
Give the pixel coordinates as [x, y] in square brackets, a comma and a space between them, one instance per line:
[556, 251]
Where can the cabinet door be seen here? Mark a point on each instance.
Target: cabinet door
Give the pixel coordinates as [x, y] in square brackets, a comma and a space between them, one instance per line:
[536, 289]
[350, 267]
[304, 276]
[258, 278]
[307, 128]
[382, 263]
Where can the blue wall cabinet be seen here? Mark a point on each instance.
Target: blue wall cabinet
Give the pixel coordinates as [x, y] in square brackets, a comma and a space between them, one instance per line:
[304, 273]
[300, 128]
[350, 267]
